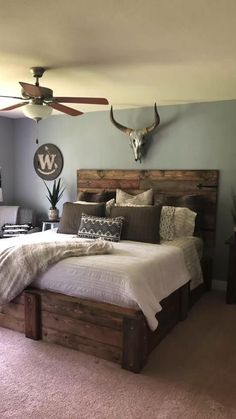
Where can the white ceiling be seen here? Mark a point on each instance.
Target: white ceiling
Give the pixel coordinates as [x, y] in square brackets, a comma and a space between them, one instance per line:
[133, 52]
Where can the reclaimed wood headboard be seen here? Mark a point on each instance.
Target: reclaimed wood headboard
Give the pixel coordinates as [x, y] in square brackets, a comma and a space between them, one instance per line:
[166, 182]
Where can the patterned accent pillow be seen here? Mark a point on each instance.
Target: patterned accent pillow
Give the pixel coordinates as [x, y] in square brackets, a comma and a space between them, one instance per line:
[167, 223]
[143, 198]
[93, 227]
[15, 230]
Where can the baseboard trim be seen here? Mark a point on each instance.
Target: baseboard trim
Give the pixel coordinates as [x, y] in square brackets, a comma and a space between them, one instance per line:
[219, 285]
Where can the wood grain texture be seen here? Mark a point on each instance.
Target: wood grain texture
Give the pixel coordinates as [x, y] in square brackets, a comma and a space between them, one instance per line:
[32, 315]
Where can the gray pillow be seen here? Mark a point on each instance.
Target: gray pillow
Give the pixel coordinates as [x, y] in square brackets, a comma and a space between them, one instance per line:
[93, 227]
[71, 216]
[141, 223]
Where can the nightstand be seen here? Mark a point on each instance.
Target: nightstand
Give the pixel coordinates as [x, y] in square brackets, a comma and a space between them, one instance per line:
[48, 224]
[231, 281]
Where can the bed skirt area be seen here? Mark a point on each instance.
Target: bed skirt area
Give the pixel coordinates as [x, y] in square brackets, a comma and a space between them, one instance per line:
[107, 331]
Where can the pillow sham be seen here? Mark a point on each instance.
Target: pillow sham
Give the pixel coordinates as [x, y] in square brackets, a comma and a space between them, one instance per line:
[184, 222]
[167, 223]
[93, 227]
[141, 223]
[71, 216]
[109, 204]
[143, 198]
[176, 222]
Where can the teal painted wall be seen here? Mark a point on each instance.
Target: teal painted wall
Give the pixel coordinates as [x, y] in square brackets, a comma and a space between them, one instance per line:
[197, 136]
[6, 159]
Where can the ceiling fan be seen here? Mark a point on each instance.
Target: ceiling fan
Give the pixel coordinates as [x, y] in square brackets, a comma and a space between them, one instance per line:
[38, 101]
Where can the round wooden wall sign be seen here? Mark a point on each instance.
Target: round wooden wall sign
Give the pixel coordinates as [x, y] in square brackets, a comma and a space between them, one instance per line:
[48, 161]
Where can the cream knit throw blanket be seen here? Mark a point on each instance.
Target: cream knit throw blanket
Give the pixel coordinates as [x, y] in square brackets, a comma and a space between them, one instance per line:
[19, 265]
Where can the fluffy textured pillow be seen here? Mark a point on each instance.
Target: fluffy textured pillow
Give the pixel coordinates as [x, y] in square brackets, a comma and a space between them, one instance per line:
[71, 216]
[141, 223]
[93, 227]
[167, 223]
[102, 196]
[91, 196]
[144, 198]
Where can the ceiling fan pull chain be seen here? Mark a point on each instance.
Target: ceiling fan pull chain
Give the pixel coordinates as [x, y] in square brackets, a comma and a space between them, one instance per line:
[37, 132]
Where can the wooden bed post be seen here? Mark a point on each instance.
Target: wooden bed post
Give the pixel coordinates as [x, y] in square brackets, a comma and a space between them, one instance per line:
[184, 294]
[32, 315]
[135, 345]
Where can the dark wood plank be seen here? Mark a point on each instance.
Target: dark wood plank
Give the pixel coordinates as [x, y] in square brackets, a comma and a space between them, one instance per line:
[135, 348]
[12, 323]
[100, 350]
[32, 315]
[91, 331]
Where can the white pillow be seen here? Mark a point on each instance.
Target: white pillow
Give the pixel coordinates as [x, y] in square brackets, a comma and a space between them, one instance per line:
[184, 222]
[144, 198]
[176, 222]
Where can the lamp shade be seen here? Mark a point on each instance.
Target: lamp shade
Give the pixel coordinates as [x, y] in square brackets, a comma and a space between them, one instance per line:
[37, 112]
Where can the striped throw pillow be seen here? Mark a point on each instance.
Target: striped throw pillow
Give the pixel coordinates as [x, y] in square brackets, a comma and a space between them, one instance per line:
[15, 230]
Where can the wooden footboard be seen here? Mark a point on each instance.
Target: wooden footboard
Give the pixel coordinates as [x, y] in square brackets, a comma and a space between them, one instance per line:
[107, 331]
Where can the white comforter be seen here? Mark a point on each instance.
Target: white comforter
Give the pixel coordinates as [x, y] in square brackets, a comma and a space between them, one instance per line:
[135, 274]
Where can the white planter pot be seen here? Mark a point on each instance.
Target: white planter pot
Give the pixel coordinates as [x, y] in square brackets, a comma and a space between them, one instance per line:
[53, 214]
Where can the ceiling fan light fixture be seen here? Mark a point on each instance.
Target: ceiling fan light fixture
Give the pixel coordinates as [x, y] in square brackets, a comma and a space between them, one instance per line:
[37, 112]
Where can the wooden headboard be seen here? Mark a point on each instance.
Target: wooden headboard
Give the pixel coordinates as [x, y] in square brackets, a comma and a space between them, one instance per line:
[166, 182]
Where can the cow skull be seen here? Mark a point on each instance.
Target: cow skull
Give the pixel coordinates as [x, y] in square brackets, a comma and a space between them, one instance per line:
[137, 137]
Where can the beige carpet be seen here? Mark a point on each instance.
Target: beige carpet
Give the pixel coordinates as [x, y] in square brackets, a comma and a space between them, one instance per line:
[192, 374]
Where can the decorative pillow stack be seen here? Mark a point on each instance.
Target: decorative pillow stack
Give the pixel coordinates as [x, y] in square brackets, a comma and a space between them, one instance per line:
[93, 227]
[15, 230]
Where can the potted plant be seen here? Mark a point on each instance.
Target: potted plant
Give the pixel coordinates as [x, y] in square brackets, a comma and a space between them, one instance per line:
[54, 196]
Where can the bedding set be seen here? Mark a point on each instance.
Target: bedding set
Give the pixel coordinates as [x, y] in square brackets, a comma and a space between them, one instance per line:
[152, 252]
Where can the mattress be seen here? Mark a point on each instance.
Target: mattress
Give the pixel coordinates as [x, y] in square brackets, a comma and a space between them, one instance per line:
[136, 275]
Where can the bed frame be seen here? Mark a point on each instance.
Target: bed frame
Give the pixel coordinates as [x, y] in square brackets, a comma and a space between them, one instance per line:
[105, 330]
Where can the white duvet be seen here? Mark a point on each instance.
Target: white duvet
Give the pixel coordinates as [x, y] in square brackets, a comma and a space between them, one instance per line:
[134, 275]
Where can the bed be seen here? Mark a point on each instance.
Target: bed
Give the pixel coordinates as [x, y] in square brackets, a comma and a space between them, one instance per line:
[115, 330]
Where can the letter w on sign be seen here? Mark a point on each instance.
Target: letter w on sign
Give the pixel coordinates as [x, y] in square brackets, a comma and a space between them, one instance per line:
[48, 161]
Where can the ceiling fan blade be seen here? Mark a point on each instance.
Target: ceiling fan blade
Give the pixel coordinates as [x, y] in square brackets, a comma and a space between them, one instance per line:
[18, 105]
[64, 109]
[36, 91]
[13, 97]
[89, 100]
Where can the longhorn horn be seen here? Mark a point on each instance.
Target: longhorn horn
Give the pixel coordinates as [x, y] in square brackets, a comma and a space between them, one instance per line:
[126, 130]
[155, 124]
